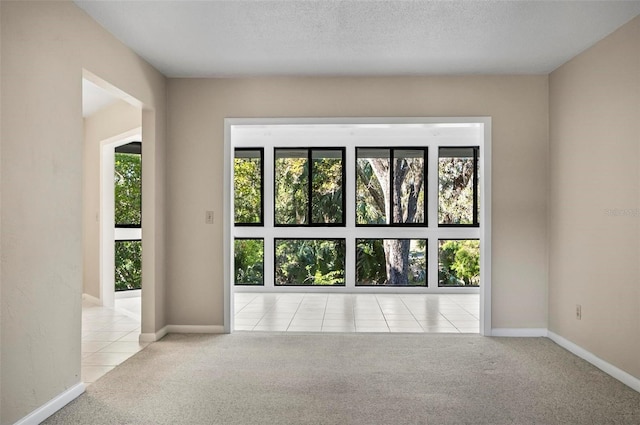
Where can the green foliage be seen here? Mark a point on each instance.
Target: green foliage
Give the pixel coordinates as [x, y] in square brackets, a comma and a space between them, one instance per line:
[459, 263]
[128, 262]
[455, 178]
[247, 190]
[128, 188]
[291, 191]
[371, 265]
[249, 261]
[326, 189]
[309, 262]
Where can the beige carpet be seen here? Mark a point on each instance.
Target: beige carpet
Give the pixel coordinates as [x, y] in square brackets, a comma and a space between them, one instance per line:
[254, 378]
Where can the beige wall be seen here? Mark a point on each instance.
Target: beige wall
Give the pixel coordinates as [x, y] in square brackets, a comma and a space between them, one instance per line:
[111, 121]
[517, 104]
[594, 165]
[45, 46]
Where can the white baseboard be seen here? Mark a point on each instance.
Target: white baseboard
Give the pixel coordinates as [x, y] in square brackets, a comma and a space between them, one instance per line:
[91, 299]
[520, 332]
[603, 365]
[52, 406]
[181, 329]
[153, 337]
[195, 329]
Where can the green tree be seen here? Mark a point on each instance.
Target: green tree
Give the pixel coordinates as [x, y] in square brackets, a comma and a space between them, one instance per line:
[128, 262]
[247, 190]
[455, 180]
[249, 261]
[291, 191]
[459, 263]
[128, 189]
[309, 261]
[396, 198]
[326, 190]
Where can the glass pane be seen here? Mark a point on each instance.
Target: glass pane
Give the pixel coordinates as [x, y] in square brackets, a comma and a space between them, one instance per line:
[128, 262]
[408, 196]
[247, 183]
[459, 263]
[391, 262]
[309, 262]
[249, 261]
[128, 189]
[456, 186]
[372, 185]
[326, 186]
[291, 186]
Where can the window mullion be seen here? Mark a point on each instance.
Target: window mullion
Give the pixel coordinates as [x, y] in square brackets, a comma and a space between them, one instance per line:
[309, 187]
[392, 179]
[475, 186]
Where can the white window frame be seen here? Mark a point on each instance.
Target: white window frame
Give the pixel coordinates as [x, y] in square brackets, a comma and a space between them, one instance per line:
[270, 138]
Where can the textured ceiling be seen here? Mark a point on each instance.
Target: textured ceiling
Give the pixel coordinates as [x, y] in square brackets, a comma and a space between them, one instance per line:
[248, 38]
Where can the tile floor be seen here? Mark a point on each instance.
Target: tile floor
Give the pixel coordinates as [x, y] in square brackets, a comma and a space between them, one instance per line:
[109, 336]
[455, 313]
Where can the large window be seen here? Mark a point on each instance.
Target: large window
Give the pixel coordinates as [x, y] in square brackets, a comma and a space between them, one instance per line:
[247, 184]
[374, 207]
[309, 187]
[390, 186]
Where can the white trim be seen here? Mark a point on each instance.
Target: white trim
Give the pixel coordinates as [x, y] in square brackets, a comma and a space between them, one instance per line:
[53, 405]
[182, 329]
[195, 329]
[91, 299]
[519, 332]
[153, 337]
[227, 223]
[485, 229]
[603, 365]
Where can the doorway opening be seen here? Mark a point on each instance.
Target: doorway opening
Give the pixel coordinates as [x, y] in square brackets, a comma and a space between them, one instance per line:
[328, 215]
[112, 227]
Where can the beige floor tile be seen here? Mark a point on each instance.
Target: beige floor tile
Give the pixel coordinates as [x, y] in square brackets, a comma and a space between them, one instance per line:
[94, 346]
[123, 347]
[91, 374]
[105, 359]
[104, 336]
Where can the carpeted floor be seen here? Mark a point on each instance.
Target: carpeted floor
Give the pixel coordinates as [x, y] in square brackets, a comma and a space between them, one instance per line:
[259, 378]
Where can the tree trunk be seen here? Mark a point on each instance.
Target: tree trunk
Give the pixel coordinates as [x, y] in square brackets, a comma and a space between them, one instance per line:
[396, 253]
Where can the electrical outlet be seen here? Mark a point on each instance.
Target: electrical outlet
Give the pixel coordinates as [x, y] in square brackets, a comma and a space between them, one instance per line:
[578, 312]
[208, 217]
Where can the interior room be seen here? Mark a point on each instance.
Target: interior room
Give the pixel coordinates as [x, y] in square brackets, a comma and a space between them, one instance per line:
[539, 295]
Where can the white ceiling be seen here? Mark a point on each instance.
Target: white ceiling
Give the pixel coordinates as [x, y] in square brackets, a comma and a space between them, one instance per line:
[326, 37]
